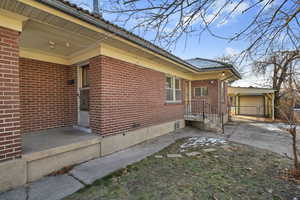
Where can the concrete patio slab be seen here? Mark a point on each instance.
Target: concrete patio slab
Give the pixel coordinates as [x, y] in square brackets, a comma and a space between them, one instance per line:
[53, 188]
[51, 138]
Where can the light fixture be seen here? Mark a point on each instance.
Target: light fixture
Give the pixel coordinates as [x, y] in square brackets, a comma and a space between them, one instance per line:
[223, 73]
[51, 44]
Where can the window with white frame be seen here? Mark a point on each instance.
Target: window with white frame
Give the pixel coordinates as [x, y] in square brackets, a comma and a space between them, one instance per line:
[200, 91]
[173, 89]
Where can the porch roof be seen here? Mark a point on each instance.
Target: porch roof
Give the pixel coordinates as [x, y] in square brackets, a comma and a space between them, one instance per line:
[208, 65]
[250, 91]
[100, 23]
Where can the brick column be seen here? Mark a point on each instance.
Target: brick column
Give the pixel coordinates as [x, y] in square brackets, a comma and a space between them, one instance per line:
[10, 138]
[95, 94]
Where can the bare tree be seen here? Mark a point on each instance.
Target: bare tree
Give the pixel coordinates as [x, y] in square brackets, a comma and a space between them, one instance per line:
[282, 67]
[167, 21]
[286, 109]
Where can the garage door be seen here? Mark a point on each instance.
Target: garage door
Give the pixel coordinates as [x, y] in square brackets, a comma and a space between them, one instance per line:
[252, 105]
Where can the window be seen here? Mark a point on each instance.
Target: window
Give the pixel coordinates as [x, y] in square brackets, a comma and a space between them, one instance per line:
[84, 89]
[85, 78]
[169, 89]
[200, 91]
[173, 89]
[177, 90]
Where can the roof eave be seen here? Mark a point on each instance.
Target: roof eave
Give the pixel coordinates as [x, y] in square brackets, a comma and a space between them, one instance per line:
[231, 68]
[101, 23]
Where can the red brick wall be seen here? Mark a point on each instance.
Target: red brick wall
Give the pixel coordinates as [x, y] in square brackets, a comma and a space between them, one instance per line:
[95, 93]
[214, 93]
[125, 95]
[47, 100]
[10, 138]
[212, 86]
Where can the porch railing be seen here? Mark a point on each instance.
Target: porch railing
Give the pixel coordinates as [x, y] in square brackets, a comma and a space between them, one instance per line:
[201, 110]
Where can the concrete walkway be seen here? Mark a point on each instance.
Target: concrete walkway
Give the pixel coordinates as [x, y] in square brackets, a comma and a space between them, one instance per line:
[58, 187]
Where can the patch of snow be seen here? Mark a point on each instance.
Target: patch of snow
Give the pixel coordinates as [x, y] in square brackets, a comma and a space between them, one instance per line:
[174, 155]
[202, 141]
[158, 156]
[194, 153]
[209, 150]
[274, 126]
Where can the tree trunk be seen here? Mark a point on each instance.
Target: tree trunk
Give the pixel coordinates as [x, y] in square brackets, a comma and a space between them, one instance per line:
[276, 105]
[294, 136]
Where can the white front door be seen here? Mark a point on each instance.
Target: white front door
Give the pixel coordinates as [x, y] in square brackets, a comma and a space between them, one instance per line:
[83, 96]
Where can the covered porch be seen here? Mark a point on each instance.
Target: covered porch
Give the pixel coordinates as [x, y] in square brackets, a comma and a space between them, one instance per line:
[42, 56]
[45, 140]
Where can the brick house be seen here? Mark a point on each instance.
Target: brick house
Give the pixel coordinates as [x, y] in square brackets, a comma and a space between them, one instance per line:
[61, 66]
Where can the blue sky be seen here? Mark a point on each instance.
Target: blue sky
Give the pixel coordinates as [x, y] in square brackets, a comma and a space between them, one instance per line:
[208, 46]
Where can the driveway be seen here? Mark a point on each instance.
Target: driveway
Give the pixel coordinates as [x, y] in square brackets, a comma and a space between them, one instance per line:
[270, 136]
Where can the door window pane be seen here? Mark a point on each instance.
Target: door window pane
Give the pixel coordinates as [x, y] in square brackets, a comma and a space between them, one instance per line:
[85, 76]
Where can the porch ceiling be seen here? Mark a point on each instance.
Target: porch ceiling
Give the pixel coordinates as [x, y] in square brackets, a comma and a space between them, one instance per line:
[53, 40]
[225, 75]
[46, 24]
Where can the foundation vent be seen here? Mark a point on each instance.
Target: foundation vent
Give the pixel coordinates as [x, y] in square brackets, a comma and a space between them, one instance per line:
[176, 125]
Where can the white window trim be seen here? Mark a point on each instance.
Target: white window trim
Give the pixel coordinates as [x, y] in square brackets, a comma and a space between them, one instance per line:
[174, 78]
[200, 92]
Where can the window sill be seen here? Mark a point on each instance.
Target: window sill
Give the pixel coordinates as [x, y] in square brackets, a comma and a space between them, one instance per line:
[173, 102]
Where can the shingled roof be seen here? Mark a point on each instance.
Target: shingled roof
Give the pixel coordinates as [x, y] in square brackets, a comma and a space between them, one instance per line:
[204, 64]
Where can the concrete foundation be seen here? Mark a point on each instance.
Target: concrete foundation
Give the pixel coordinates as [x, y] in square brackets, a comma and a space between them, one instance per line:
[118, 142]
[12, 174]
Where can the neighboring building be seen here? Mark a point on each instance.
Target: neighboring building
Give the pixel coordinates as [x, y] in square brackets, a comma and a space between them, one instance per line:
[251, 101]
[61, 66]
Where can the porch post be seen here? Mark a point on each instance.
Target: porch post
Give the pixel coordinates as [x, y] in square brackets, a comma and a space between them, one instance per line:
[273, 106]
[10, 136]
[96, 101]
